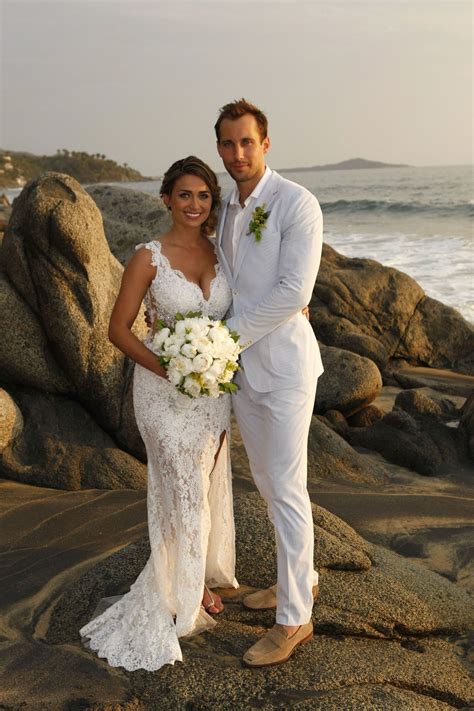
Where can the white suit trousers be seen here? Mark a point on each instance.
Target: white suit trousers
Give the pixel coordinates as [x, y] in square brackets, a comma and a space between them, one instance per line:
[274, 428]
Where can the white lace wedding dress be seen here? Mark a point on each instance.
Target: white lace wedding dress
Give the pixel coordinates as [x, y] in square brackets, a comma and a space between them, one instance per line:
[190, 516]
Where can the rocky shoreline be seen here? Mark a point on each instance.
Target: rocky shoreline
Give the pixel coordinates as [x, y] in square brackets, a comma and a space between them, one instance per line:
[391, 452]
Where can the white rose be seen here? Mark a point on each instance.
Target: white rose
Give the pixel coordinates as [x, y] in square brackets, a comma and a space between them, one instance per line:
[180, 327]
[232, 350]
[209, 379]
[174, 376]
[224, 350]
[199, 327]
[188, 350]
[202, 362]
[182, 365]
[217, 368]
[202, 344]
[172, 344]
[218, 333]
[192, 387]
[171, 350]
[159, 338]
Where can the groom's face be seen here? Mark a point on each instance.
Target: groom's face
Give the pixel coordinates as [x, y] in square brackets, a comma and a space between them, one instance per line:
[242, 148]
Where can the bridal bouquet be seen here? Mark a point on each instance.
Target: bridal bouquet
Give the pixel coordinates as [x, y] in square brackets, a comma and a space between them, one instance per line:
[199, 353]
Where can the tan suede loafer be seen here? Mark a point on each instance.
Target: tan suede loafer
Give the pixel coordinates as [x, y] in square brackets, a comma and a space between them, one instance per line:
[275, 647]
[266, 599]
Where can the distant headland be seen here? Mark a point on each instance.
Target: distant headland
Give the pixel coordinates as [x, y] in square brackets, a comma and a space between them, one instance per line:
[351, 164]
[17, 168]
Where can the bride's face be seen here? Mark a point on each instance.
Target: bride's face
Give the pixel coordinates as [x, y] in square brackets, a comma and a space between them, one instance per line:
[190, 201]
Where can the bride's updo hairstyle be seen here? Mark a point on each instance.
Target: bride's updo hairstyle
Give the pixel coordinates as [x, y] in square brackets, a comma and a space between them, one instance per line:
[195, 166]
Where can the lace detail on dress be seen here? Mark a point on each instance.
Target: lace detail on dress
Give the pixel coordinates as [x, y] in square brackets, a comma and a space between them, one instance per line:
[190, 516]
[171, 292]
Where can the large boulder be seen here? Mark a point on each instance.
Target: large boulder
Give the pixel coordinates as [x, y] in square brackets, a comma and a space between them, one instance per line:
[349, 382]
[130, 217]
[415, 402]
[383, 314]
[365, 589]
[379, 627]
[421, 442]
[56, 256]
[61, 446]
[25, 355]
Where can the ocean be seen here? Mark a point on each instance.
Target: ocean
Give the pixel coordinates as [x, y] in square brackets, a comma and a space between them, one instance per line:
[418, 220]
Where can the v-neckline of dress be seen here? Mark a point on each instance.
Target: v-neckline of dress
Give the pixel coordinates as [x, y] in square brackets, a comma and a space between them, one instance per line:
[217, 268]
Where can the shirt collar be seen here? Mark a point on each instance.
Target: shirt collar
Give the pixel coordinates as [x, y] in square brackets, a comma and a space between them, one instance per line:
[255, 194]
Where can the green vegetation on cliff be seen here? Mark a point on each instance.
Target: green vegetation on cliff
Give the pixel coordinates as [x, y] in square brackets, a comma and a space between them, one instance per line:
[17, 168]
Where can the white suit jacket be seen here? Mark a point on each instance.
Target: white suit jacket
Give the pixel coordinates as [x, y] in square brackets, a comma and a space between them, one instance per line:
[271, 282]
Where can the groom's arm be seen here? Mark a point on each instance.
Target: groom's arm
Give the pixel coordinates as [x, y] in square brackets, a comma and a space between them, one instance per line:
[300, 256]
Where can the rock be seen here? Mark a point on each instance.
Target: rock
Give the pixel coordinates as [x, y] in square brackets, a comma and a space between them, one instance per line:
[466, 424]
[445, 381]
[438, 336]
[335, 419]
[365, 589]
[349, 382]
[25, 356]
[336, 544]
[449, 404]
[62, 447]
[383, 314]
[130, 217]
[331, 458]
[414, 401]
[366, 417]
[57, 257]
[11, 421]
[378, 629]
[365, 346]
[424, 444]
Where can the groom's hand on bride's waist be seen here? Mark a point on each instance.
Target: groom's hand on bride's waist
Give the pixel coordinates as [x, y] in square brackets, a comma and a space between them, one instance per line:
[304, 311]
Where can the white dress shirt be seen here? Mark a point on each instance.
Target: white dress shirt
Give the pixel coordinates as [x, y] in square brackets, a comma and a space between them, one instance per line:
[238, 217]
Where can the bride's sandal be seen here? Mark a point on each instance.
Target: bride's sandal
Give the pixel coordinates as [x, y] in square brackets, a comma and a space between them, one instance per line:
[214, 606]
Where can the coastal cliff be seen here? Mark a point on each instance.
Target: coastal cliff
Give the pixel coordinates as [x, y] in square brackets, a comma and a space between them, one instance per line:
[16, 168]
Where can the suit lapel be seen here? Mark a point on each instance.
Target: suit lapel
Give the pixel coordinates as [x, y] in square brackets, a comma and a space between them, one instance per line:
[221, 219]
[267, 197]
[220, 228]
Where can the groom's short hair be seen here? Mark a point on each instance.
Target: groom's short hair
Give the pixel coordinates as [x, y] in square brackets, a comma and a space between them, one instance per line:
[235, 109]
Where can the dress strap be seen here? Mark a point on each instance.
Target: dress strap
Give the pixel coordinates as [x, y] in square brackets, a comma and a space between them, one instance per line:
[155, 248]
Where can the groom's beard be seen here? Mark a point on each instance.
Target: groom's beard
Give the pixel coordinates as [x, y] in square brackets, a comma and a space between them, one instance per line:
[247, 177]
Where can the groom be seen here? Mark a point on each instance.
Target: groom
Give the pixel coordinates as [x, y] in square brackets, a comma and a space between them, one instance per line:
[269, 240]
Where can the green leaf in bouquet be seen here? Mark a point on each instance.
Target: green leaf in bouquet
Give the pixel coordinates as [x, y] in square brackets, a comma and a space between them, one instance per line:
[228, 387]
[189, 314]
[159, 324]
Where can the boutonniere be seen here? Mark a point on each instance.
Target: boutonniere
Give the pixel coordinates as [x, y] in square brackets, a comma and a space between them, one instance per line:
[258, 222]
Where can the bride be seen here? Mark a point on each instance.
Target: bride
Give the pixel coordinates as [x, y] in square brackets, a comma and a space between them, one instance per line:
[190, 517]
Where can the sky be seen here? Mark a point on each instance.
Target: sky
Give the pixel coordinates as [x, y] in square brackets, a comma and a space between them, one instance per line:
[142, 80]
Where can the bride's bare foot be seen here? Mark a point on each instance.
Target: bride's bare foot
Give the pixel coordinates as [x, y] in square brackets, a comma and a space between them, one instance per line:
[212, 602]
